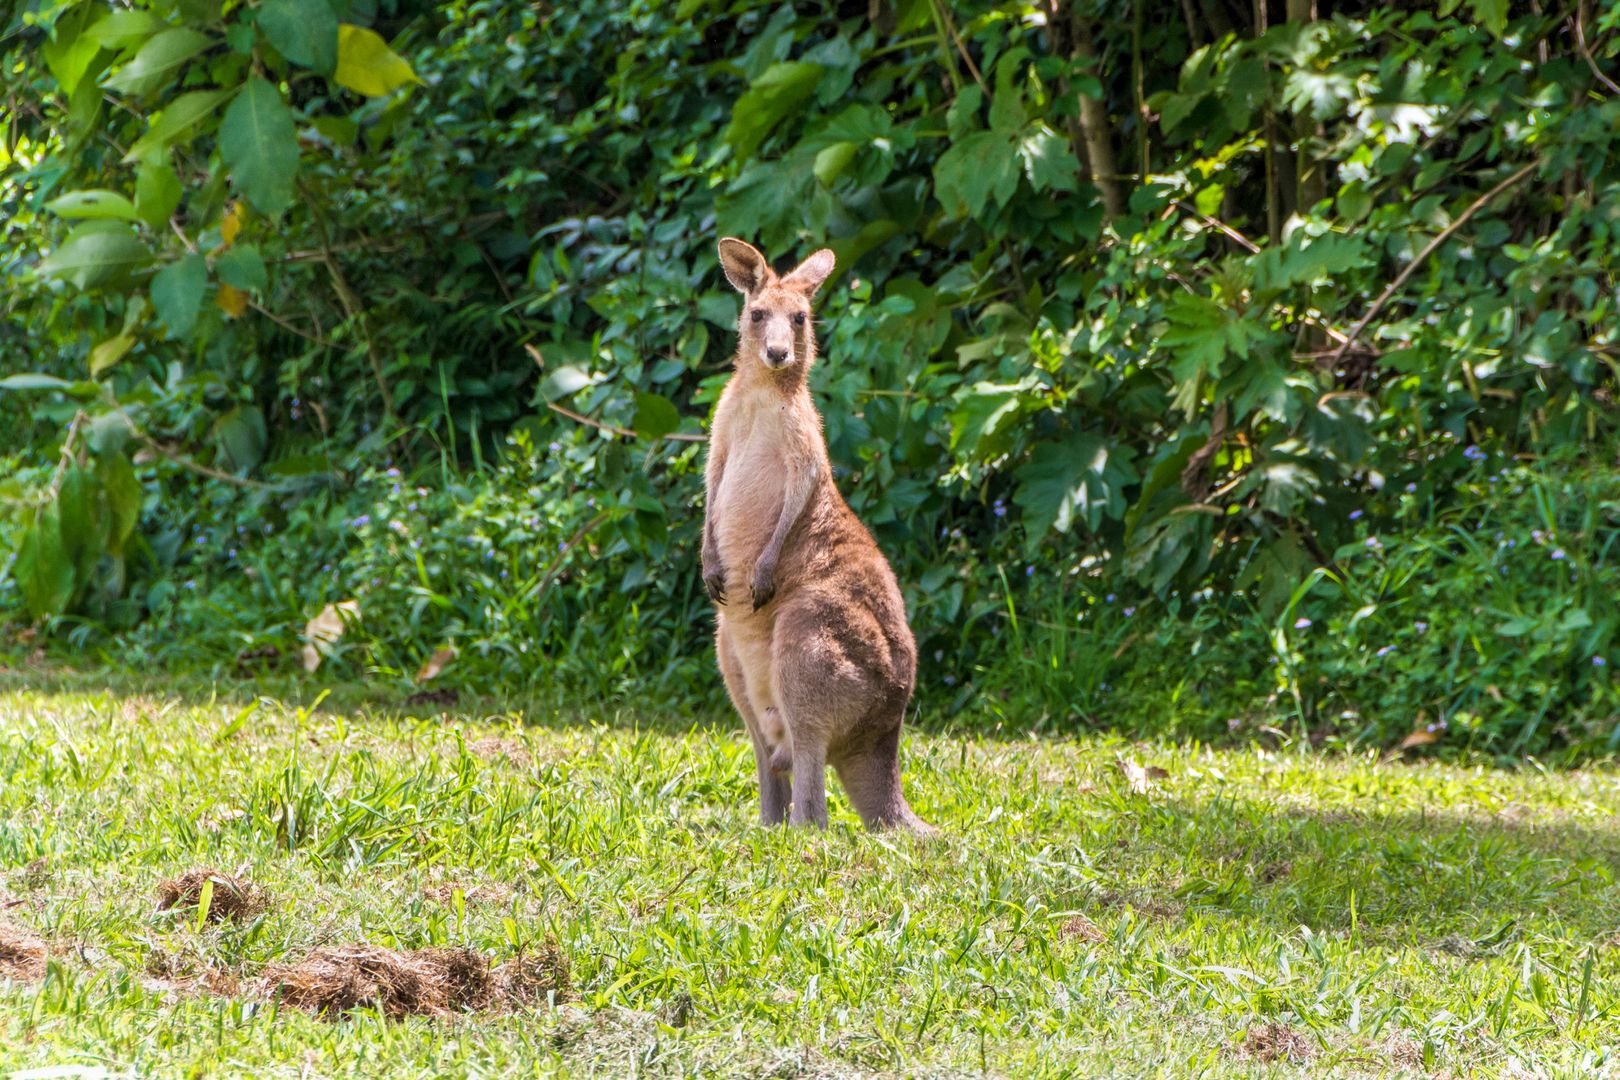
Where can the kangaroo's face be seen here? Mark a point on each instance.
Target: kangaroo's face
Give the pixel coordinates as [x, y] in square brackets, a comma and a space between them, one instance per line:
[775, 328]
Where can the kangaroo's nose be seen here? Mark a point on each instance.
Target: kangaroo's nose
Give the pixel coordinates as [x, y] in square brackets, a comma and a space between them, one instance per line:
[776, 356]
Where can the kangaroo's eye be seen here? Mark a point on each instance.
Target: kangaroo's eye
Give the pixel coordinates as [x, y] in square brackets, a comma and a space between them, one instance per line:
[798, 318]
[757, 315]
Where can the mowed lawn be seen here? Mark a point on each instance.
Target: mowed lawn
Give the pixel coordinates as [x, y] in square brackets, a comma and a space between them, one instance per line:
[1252, 912]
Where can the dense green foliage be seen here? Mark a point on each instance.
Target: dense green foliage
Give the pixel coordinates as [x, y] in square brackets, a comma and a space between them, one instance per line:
[1263, 322]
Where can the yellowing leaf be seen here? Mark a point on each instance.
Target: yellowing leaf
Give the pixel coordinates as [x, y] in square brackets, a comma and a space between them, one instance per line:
[231, 225]
[325, 629]
[367, 65]
[1139, 779]
[435, 664]
[108, 353]
[1420, 737]
[231, 301]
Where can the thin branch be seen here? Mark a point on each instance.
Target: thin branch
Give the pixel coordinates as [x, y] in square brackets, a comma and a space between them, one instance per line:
[1429, 249]
[350, 302]
[562, 553]
[581, 418]
[1586, 52]
[198, 467]
[67, 454]
[942, 16]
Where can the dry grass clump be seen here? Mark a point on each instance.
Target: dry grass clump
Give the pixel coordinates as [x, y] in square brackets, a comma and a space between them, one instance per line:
[492, 747]
[423, 982]
[1082, 929]
[489, 892]
[233, 897]
[22, 954]
[420, 982]
[1276, 1041]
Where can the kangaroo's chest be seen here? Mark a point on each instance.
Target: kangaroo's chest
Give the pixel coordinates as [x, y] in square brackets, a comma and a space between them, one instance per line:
[748, 501]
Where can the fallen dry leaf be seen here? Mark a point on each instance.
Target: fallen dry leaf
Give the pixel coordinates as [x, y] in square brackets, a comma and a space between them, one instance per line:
[435, 664]
[326, 628]
[1140, 778]
[1420, 737]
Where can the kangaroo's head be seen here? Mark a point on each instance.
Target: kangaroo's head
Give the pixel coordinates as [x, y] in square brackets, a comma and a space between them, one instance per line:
[775, 330]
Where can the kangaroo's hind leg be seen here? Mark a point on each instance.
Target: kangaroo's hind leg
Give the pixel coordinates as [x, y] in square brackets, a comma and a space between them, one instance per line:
[773, 787]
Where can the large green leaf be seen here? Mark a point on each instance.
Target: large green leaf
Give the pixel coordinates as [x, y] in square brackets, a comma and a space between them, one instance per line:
[92, 203]
[157, 193]
[780, 90]
[655, 416]
[304, 31]
[260, 147]
[96, 253]
[42, 569]
[986, 413]
[124, 29]
[177, 293]
[1079, 479]
[158, 60]
[977, 168]
[122, 492]
[242, 437]
[366, 65]
[109, 352]
[72, 47]
[242, 267]
[174, 124]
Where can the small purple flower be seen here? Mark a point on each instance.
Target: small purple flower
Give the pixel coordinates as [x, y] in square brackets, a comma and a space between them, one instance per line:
[1029, 571]
[1598, 661]
[1386, 650]
[1001, 511]
[554, 447]
[1410, 488]
[392, 474]
[1373, 543]
[1558, 553]
[1129, 612]
[1474, 453]
[950, 680]
[1355, 515]
[1302, 623]
[1109, 598]
[1421, 627]
[362, 520]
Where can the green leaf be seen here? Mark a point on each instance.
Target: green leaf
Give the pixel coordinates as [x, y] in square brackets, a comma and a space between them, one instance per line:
[72, 48]
[1492, 14]
[175, 123]
[33, 381]
[157, 193]
[1049, 160]
[366, 65]
[96, 253]
[108, 353]
[565, 380]
[108, 433]
[93, 203]
[977, 168]
[259, 145]
[780, 90]
[42, 569]
[1079, 479]
[304, 31]
[158, 60]
[122, 29]
[655, 416]
[832, 161]
[242, 437]
[177, 293]
[84, 528]
[241, 267]
[987, 413]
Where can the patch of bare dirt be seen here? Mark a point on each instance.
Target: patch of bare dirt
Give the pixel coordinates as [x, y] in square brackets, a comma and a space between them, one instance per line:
[1276, 1041]
[489, 892]
[534, 974]
[22, 954]
[233, 898]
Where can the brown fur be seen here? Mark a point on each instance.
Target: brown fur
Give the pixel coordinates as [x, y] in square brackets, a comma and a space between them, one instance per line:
[812, 640]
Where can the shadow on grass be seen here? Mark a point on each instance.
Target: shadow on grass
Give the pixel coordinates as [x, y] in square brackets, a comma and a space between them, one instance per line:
[1471, 884]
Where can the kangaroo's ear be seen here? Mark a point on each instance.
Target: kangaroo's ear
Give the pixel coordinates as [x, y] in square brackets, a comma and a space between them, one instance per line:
[808, 275]
[745, 268]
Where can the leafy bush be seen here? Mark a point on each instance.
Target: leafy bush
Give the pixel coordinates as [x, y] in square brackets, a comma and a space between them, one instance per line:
[1149, 306]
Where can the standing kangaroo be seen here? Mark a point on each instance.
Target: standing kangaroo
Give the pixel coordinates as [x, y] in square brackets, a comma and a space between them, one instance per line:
[812, 638]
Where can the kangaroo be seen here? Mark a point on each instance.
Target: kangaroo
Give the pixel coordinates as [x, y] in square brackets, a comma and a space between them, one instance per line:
[811, 635]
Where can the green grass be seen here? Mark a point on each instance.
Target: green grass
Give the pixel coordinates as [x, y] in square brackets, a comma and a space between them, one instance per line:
[1388, 917]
